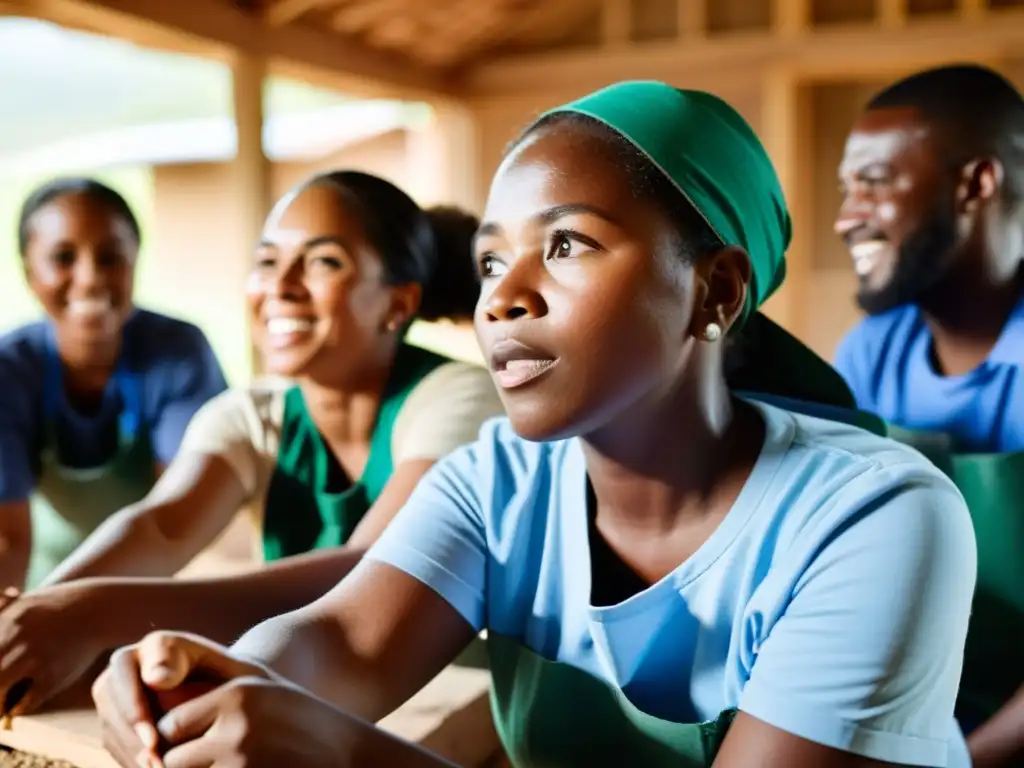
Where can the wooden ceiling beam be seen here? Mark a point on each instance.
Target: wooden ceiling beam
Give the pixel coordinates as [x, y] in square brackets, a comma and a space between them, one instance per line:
[281, 12]
[832, 54]
[216, 29]
[356, 18]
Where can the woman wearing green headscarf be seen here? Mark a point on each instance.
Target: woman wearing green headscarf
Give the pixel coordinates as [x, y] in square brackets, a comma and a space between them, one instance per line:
[670, 572]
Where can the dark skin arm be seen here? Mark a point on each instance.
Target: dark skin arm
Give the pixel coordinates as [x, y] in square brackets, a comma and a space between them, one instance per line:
[752, 743]
[170, 529]
[999, 742]
[194, 500]
[369, 668]
[15, 543]
[219, 608]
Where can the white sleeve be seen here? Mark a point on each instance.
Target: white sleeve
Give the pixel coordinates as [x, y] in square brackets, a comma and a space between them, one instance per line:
[226, 427]
[444, 411]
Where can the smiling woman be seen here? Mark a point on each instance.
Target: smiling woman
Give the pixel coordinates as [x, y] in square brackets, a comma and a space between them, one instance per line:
[345, 263]
[96, 397]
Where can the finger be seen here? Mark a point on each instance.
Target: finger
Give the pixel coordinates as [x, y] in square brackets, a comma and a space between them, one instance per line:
[191, 720]
[121, 701]
[167, 659]
[8, 596]
[201, 753]
[120, 746]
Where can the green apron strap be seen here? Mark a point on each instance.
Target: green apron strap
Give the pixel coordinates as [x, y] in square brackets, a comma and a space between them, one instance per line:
[301, 513]
[553, 714]
[412, 365]
[993, 486]
[69, 504]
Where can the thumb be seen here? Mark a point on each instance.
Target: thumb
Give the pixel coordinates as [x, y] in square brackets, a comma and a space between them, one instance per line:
[168, 659]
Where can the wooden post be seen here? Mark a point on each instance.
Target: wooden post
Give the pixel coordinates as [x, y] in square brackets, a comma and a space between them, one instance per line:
[691, 19]
[971, 10]
[616, 23]
[791, 18]
[250, 168]
[443, 157]
[787, 132]
[891, 14]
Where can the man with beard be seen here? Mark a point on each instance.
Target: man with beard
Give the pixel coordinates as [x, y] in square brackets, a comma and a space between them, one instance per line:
[933, 216]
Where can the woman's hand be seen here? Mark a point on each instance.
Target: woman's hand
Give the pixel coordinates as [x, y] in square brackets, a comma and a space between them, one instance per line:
[255, 723]
[51, 637]
[143, 682]
[237, 715]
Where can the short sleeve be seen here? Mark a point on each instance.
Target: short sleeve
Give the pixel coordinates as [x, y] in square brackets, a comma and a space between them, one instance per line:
[225, 427]
[444, 412]
[188, 380]
[439, 536]
[867, 653]
[18, 445]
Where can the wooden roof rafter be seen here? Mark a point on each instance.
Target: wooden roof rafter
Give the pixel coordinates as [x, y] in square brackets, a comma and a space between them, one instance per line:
[217, 28]
[894, 42]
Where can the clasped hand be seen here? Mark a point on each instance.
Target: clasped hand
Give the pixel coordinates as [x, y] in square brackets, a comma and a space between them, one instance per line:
[185, 702]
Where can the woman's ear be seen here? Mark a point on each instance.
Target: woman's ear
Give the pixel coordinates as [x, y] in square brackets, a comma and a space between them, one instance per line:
[404, 304]
[724, 277]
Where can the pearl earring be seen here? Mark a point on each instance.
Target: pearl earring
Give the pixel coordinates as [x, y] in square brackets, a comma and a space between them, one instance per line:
[713, 332]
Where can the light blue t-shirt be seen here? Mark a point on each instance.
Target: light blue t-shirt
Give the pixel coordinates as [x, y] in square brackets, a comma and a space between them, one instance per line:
[831, 602]
[886, 361]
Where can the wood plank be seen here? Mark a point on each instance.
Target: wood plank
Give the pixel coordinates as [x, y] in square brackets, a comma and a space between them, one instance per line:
[451, 717]
[283, 12]
[840, 54]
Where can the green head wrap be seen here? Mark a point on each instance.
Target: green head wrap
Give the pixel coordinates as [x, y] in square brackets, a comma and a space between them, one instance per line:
[715, 160]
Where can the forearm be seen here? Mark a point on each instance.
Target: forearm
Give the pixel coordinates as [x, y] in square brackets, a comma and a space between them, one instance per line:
[369, 745]
[999, 741]
[127, 544]
[310, 650]
[222, 609]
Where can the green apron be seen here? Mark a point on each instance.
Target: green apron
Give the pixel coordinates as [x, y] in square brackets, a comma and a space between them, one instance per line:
[993, 486]
[303, 512]
[553, 715]
[69, 504]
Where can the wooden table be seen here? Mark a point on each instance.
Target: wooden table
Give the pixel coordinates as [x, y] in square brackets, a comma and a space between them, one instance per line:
[451, 717]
